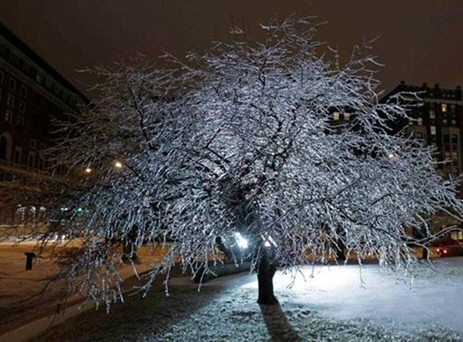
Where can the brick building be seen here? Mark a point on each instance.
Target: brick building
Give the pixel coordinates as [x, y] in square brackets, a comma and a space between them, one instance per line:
[32, 93]
[437, 120]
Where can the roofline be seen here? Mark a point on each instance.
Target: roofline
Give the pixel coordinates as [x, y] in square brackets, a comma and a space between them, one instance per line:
[30, 53]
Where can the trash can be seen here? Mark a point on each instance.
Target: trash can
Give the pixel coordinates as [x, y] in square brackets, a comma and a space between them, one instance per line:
[29, 259]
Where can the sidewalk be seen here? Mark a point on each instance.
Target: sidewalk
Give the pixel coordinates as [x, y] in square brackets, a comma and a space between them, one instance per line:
[22, 298]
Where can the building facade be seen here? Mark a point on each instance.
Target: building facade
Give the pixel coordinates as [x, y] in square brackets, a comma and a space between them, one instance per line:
[32, 95]
[436, 119]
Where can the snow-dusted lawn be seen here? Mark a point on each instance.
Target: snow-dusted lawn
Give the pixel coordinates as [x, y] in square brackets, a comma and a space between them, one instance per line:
[332, 306]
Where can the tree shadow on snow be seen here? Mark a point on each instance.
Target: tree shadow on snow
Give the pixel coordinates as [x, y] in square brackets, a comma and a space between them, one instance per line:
[277, 324]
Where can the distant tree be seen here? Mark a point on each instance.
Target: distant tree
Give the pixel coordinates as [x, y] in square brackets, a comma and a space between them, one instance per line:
[243, 139]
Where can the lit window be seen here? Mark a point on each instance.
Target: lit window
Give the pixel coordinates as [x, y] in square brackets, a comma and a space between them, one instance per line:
[433, 130]
[432, 114]
[347, 116]
[420, 121]
[336, 116]
[444, 107]
[8, 116]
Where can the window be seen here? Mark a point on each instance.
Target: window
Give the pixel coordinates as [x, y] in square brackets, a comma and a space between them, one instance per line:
[336, 116]
[33, 143]
[453, 122]
[22, 106]
[433, 130]
[444, 107]
[31, 159]
[18, 150]
[347, 116]
[23, 92]
[41, 163]
[420, 121]
[445, 122]
[452, 108]
[8, 116]
[12, 84]
[10, 100]
[419, 136]
[20, 121]
[432, 114]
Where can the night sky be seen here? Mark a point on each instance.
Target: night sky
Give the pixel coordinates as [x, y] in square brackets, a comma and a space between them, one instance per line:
[421, 40]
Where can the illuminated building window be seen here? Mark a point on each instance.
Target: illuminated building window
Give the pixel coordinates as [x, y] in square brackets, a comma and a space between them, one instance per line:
[336, 116]
[346, 116]
[433, 130]
[432, 114]
[420, 121]
[444, 107]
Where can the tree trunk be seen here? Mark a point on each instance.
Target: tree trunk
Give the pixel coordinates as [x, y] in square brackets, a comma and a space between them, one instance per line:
[265, 272]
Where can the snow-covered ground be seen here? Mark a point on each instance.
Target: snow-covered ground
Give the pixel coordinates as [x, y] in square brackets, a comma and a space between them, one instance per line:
[331, 306]
[335, 305]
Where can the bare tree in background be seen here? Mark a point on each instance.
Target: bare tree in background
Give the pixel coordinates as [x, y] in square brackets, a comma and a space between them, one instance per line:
[242, 140]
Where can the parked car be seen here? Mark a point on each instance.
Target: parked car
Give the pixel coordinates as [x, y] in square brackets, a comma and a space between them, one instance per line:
[447, 247]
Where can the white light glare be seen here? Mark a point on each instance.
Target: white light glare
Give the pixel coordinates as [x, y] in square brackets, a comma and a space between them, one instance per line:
[242, 242]
[269, 242]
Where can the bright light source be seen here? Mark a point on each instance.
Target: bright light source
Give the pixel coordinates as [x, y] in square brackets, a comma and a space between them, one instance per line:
[241, 241]
[118, 164]
[269, 242]
[88, 170]
[391, 155]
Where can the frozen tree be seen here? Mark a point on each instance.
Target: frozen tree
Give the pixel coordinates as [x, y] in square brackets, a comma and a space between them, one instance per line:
[244, 141]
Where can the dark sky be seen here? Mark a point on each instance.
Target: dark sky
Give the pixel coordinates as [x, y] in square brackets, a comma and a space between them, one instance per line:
[421, 40]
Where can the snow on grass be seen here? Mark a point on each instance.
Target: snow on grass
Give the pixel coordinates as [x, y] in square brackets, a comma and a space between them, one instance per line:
[329, 307]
